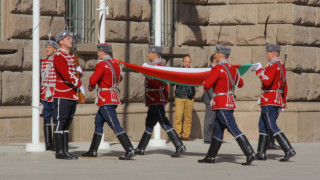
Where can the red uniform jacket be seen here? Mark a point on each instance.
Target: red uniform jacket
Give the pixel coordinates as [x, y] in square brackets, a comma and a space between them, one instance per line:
[156, 92]
[272, 90]
[220, 81]
[48, 79]
[67, 83]
[108, 83]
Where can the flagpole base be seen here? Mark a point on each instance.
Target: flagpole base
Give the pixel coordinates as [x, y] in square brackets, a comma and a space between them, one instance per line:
[35, 147]
[157, 143]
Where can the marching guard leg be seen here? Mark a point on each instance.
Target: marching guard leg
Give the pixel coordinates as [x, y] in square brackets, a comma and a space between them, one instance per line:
[246, 149]
[60, 153]
[143, 143]
[262, 147]
[66, 145]
[212, 152]
[180, 148]
[271, 142]
[93, 150]
[126, 144]
[286, 147]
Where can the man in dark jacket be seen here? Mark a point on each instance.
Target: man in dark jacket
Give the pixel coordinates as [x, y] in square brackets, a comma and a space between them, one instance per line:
[183, 106]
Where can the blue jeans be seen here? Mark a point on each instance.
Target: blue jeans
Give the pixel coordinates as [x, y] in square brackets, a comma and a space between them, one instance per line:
[107, 114]
[65, 109]
[268, 119]
[156, 113]
[48, 112]
[225, 119]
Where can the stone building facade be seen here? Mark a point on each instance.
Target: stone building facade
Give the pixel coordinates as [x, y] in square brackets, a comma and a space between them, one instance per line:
[196, 27]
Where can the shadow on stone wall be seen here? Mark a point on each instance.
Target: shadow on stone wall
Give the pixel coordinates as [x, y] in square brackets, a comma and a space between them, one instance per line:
[192, 32]
[196, 130]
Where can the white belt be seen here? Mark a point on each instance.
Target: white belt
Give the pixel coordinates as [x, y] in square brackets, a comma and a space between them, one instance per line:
[107, 89]
[48, 84]
[221, 94]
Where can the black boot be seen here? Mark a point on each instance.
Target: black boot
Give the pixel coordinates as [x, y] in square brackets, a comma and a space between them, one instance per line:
[180, 148]
[271, 142]
[48, 136]
[53, 143]
[246, 149]
[54, 139]
[286, 147]
[212, 152]
[66, 146]
[60, 153]
[143, 143]
[261, 154]
[126, 144]
[93, 150]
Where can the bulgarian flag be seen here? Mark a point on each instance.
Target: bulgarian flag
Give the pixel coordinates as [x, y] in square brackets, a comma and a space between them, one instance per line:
[181, 76]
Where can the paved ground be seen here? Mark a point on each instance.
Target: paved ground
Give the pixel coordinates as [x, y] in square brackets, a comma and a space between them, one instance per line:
[16, 163]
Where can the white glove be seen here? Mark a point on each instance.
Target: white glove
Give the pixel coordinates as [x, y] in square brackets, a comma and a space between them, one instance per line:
[280, 110]
[259, 101]
[79, 69]
[259, 66]
[82, 90]
[41, 106]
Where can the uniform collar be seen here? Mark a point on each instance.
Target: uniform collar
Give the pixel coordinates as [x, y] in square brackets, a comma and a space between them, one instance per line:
[223, 61]
[64, 50]
[51, 57]
[105, 58]
[274, 60]
[156, 61]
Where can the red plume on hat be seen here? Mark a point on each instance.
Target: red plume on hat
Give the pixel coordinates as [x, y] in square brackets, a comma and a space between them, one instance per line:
[105, 44]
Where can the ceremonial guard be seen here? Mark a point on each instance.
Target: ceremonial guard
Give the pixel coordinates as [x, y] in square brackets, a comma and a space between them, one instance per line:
[210, 115]
[48, 81]
[224, 79]
[272, 101]
[156, 96]
[107, 75]
[65, 93]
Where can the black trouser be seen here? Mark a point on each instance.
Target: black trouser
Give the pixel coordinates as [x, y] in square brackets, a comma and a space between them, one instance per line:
[65, 109]
[156, 113]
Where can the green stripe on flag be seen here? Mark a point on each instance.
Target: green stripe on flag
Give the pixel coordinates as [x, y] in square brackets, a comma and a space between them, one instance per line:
[244, 68]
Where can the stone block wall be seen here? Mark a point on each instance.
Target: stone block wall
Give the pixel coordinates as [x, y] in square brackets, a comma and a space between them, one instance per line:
[291, 21]
[127, 29]
[16, 64]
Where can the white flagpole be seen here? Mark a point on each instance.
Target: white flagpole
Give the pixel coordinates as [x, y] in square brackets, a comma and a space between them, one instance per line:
[36, 146]
[102, 12]
[157, 141]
